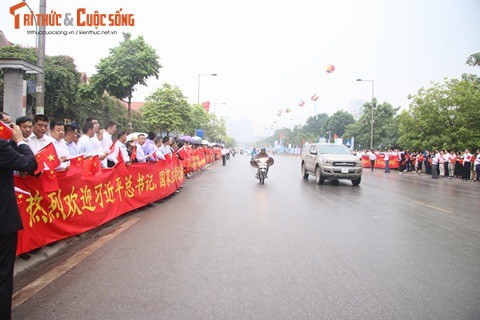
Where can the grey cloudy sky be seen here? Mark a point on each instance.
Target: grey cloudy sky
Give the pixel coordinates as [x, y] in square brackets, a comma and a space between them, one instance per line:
[269, 55]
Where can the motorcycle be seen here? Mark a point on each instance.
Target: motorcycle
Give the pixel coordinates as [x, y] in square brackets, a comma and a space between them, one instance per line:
[262, 165]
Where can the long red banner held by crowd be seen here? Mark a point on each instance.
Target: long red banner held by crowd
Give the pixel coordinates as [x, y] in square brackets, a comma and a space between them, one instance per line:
[80, 204]
[380, 162]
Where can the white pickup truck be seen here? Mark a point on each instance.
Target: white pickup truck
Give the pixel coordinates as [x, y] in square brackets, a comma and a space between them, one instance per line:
[330, 161]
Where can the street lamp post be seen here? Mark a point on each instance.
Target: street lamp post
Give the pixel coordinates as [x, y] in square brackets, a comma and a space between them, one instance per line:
[371, 122]
[198, 91]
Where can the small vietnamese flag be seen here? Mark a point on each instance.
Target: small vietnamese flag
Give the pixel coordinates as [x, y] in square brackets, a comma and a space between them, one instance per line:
[5, 131]
[47, 156]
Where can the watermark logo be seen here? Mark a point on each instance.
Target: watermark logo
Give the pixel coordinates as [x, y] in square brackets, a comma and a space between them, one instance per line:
[80, 18]
[13, 9]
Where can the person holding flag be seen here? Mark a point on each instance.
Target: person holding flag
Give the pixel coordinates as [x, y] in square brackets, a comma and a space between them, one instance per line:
[119, 152]
[39, 138]
[57, 132]
[157, 153]
[6, 131]
[15, 155]
[166, 149]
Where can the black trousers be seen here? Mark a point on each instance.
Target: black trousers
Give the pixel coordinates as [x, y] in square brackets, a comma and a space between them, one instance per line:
[224, 159]
[8, 248]
[466, 171]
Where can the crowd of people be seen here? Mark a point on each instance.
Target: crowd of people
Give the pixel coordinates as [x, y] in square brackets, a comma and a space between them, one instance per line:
[31, 135]
[108, 143]
[437, 163]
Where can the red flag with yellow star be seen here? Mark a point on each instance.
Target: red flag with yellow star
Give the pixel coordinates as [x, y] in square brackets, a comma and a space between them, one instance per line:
[21, 195]
[49, 180]
[91, 166]
[76, 165]
[47, 157]
[5, 131]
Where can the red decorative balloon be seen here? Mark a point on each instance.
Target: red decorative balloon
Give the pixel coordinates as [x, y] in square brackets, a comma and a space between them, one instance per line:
[330, 68]
[315, 97]
[301, 103]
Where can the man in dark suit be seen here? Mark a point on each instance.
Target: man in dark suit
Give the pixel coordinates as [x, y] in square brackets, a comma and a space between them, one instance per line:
[14, 155]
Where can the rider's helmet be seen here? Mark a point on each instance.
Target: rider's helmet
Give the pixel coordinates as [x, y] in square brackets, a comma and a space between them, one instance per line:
[263, 150]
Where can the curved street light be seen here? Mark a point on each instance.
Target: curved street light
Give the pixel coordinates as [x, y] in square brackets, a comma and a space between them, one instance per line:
[371, 122]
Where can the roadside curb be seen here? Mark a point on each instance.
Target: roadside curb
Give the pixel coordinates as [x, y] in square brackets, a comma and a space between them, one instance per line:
[32, 258]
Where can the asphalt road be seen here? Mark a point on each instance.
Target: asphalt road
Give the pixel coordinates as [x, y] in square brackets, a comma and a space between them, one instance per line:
[225, 247]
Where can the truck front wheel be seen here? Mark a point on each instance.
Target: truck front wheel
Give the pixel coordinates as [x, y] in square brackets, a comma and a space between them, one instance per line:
[319, 178]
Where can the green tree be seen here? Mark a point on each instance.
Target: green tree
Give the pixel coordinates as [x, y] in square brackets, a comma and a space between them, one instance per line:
[216, 129]
[104, 108]
[167, 110]
[338, 122]
[445, 116]
[61, 81]
[315, 127]
[474, 60]
[128, 65]
[61, 86]
[385, 131]
[199, 119]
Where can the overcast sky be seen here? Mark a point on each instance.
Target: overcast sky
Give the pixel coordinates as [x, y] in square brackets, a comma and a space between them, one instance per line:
[269, 55]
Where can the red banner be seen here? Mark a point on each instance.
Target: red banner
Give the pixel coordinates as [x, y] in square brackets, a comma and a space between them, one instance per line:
[380, 162]
[81, 205]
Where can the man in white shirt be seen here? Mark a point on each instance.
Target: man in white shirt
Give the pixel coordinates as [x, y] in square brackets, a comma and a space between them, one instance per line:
[85, 143]
[387, 160]
[141, 156]
[57, 132]
[149, 145]
[98, 148]
[446, 163]
[158, 154]
[110, 129]
[71, 138]
[435, 162]
[165, 148]
[96, 124]
[119, 148]
[467, 159]
[39, 139]
[477, 165]
[372, 157]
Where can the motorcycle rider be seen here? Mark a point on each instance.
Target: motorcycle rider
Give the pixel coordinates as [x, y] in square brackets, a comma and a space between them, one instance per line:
[263, 154]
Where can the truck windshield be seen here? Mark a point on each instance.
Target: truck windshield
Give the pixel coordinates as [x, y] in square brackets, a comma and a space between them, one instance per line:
[334, 149]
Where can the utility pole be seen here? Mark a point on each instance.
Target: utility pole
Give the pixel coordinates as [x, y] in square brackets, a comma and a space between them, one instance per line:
[40, 90]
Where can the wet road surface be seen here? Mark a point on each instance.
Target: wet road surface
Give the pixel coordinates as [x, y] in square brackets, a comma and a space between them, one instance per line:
[225, 247]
